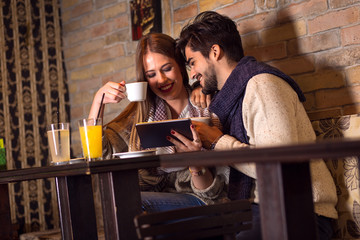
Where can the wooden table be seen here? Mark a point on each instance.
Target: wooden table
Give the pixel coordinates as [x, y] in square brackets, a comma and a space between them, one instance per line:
[119, 188]
[283, 183]
[283, 179]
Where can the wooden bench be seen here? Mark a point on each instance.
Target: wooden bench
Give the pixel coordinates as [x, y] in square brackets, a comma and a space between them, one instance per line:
[345, 172]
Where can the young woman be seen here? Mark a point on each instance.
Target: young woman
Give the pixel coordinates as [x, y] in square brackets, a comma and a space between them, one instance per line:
[168, 97]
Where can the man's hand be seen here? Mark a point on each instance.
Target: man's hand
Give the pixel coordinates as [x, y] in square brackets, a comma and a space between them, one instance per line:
[199, 99]
[206, 133]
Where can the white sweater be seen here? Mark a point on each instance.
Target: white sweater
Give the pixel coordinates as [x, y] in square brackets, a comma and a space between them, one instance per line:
[273, 115]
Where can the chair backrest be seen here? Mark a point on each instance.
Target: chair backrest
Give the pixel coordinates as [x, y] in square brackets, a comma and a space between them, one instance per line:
[203, 222]
[345, 173]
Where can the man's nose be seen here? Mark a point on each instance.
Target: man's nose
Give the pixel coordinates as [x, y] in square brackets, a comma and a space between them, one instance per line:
[192, 73]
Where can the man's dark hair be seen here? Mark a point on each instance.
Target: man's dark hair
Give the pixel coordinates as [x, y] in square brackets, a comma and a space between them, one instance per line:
[209, 28]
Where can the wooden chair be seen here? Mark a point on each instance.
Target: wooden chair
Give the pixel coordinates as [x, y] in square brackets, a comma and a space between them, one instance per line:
[218, 221]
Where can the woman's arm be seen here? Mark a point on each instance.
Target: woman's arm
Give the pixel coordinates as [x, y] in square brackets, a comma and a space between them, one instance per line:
[201, 176]
[114, 93]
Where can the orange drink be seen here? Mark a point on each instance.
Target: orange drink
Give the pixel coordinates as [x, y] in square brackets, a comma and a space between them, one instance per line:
[91, 138]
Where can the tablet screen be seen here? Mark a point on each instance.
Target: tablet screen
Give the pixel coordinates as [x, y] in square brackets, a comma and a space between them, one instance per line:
[153, 134]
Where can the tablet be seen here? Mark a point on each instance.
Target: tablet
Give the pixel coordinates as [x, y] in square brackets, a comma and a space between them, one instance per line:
[153, 134]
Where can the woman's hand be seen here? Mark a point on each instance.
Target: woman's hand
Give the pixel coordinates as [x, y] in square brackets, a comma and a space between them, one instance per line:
[184, 144]
[199, 99]
[206, 133]
[114, 93]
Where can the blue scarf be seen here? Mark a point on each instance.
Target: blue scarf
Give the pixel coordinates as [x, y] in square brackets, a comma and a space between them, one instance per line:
[227, 105]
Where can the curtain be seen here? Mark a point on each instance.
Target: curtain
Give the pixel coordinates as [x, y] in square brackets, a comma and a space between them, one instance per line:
[33, 89]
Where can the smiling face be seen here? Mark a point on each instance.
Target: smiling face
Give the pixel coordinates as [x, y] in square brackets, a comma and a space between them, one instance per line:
[164, 76]
[202, 70]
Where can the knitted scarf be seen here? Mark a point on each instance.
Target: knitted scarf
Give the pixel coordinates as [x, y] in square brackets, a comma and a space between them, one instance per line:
[227, 105]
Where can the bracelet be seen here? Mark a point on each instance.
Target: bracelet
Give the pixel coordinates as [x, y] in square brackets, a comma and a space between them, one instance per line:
[198, 173]
[212, 146]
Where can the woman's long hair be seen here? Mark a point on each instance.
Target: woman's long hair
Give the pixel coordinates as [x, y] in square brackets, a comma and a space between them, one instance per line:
[155, 43]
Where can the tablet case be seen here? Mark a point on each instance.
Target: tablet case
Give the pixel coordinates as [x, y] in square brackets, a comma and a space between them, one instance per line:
[153, 134]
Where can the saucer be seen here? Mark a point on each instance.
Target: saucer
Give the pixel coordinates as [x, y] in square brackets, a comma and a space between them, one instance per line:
[135, 154]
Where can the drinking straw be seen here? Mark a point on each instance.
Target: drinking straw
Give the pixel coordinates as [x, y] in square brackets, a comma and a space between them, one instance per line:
[58, 121]
[57, 110]
[101, 103]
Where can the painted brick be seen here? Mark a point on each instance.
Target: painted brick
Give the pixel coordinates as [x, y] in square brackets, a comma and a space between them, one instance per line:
[89, 84]
[101, 29]
[314, 43]
[350, 35]
[124, 62]
[329, 113]
[303, 9]
[337, 97]
[119, 36]
[115, 10]
[71, 64]
[320, 80]
[179, 3]
[166, 21]
[342, 3]
[66, 16]
[72, 87]
[77, 37]
[81, 97]
[103, 68]
[340, 58]
[72, 26]
[80, 74]
[351, 109]
[68, 3]
[103, 55]
[185, 13]
[303, 64]
[73, 52]
[238, 10]
[113, 77]
[81, 9]
[92, 18]
[353, 75]
[250, 40]
[333, 20]
[178, 27]
[130, 73]
[121, 22]
[206, 5]
[257, 22]
[270, 4]
[284, 32]
[103, 3]
[130, 47]
[269, 52]
[76, 112]
[93, 45]
[309, 104]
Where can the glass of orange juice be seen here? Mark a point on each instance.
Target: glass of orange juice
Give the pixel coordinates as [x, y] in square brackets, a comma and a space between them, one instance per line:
[91, 138]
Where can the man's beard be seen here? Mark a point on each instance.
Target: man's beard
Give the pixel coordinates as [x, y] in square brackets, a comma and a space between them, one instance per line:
[210, 82]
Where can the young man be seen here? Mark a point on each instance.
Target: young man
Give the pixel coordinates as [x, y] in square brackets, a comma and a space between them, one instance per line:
[257, 105]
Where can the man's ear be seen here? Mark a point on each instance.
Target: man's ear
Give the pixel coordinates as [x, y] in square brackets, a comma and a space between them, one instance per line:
[215, 52]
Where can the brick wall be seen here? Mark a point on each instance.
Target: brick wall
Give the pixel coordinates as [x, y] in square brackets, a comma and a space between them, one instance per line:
[317, 42]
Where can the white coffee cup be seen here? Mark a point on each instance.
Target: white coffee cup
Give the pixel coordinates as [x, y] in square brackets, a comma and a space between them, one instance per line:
[136, 92]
